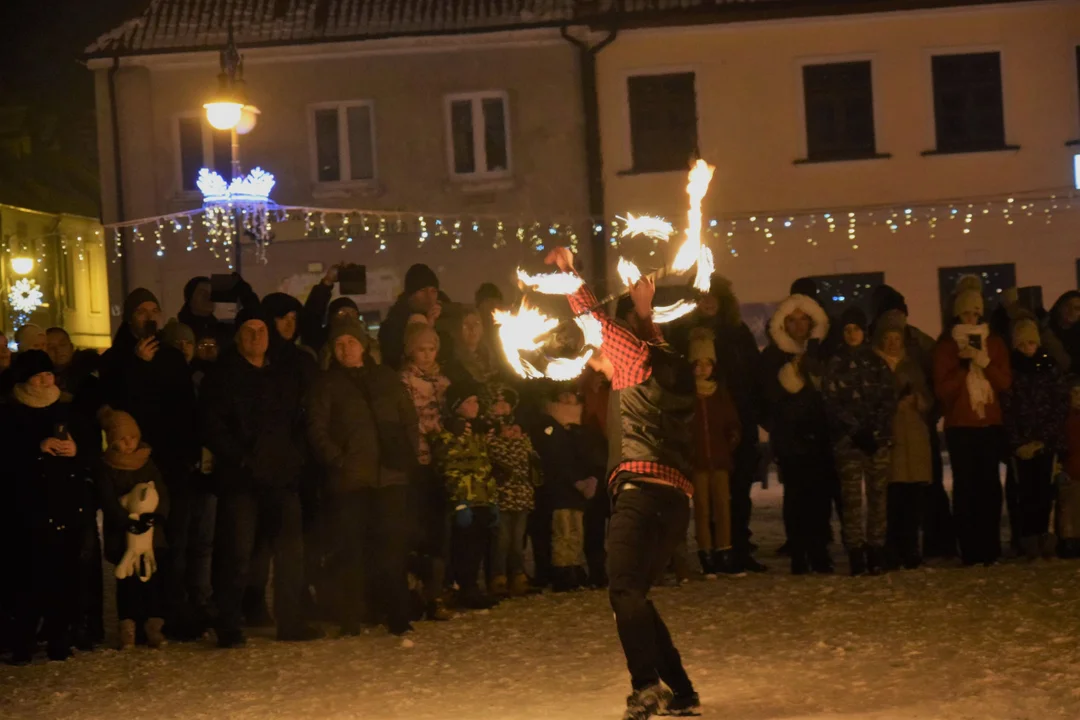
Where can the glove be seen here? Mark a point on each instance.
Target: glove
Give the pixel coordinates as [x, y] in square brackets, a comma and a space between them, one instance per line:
[494, 517]
[864, 440]
[587, 487]
[1029, 450]
[463, 516]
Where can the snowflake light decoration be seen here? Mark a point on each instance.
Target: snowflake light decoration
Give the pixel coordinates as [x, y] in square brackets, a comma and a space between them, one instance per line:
[25, 296]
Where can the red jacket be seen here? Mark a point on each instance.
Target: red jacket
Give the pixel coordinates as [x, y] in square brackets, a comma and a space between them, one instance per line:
[950, 383]
[716, 431]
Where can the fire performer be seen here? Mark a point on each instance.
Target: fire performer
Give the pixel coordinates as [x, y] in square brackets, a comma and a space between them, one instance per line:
[650, 490]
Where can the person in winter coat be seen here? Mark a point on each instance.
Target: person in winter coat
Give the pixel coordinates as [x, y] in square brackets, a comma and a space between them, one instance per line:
[716, 434]
[421, 295]
[319, 312]
[47, 506]
[198, 309]
[363, 427]
[910, 467]
[426, 385]
[1068, 481]
[1064, 323]
[860, 401]
[514, 462]
[737, 366]
[971, 371]
[798, 428]
[461, 454]
[1035, 409]
[252, 423]
[125, 464]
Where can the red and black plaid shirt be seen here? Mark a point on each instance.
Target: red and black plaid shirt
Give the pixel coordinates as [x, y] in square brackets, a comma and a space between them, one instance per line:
[629, 355]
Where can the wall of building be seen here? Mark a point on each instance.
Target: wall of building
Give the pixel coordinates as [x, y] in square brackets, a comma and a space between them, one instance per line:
[407, 82]
[751, 126]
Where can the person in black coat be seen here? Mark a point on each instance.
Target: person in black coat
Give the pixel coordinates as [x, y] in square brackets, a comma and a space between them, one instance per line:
[252, 421]
[421, 296]
[47, 506]
[150, 380]
[198, 310]
[319, 312]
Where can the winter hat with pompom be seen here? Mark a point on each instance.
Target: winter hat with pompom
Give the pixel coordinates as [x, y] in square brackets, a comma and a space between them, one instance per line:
[417, 332]
[892, 321]
[119, 424]
[1024, 330]
[968, 301]
[702, 345]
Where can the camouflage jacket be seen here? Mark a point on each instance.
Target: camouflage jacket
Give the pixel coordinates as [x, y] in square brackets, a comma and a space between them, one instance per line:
[462, 457]
[514, 461]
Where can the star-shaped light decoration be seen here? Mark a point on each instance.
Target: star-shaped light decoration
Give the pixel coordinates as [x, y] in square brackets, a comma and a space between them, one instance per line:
[25, 296]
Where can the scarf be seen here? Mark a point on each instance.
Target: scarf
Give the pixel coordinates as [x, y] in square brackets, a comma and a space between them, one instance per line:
[127, 461]
[705, 388]
[979, 391]
[891, 360]
[36, 397]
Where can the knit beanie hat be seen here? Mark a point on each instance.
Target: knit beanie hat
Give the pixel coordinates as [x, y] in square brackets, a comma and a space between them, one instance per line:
[702, 345]
[1023, 330]
[967, 282]
[349, 326]
[968, 301]
[417, 332]
[249, 313]
[804, 286]
[418, 277]
[853, 315]
[339, 303]
[460, 390]
[279, 304]
[137, 297]
[487, 291]
[892, 321]
[29, 363]
[119, 424]
[189, 288]
[176, 332]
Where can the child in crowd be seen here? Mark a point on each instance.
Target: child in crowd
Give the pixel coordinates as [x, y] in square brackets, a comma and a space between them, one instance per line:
[461, 454]
[716, 433]
[426, 385]
[125, 464]
[517, 476]
[1036, 408]
[910, 467]
[860, 402]
[1068, 500]
[565, 458]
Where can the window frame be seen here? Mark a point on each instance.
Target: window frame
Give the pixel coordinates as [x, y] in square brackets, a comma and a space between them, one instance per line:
[344, 154]
[207, 150]
[932, 125]
[803, 131]
[628, 145]
[476, 98]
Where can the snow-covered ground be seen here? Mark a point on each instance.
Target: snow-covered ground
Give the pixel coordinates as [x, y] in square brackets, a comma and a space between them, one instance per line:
[941, 643]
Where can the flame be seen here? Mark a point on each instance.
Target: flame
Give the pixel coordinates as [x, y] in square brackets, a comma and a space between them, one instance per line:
[628, 271]
[667, 313]
[700, 177]
[650, 226]
[705, 268]
[518, 332]
[551, 283]
[591, 329]
[567, 368]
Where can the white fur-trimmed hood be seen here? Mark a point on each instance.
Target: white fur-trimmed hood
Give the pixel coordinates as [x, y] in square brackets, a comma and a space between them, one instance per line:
[818, 318]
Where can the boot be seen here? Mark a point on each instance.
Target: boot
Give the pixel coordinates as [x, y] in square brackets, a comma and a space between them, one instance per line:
[127, 634]
[300, 633]
[154, 637]
[228, 639]
[498, 586]
[800, 563]
[519, 586]
[475, 600]
[857, 558]
[1030, 547]
[256, 612]
[1048, 546]
[648, 701]
[707, 567]
[875, 560]
[436, 611]
[562, 579]
[746, 562]
[821, 562]
[683, 705]
[725, 562]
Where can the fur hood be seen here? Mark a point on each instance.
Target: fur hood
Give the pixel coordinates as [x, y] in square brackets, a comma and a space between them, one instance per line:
[818, 319]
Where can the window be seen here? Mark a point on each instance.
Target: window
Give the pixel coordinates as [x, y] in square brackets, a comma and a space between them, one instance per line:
[839, 111]
[835, 293]
[343, 142]
[201, 146]
[478, 131]
[968, 110]
[995, 280]
[663, 122]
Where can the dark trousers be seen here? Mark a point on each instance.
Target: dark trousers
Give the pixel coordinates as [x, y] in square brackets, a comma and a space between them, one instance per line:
[647, 523]
[742, 481]
[243, 517]
[90, 627]
[939, 531]
[430, 540]
[809, 487]
[904, 519]
[540, 532]
[47, 589]
[596, 519]
[1012, 505]
[138, 600]
[471, 546]
[370, 538]
[1035, 493]
[975, 455]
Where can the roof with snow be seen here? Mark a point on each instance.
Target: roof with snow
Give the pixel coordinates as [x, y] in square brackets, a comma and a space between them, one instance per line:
[168, 26]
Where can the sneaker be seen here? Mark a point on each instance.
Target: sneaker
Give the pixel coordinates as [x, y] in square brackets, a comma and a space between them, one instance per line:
[127, 634]
[154, 637]
[648, 701]
[682, 705]
[300, 633]
[228, 639]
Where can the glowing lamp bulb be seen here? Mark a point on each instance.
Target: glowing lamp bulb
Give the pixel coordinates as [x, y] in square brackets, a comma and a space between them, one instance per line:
[22, 265]
[223, 115]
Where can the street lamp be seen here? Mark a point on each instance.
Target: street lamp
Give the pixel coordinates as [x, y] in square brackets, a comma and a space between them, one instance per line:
[22, 265]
